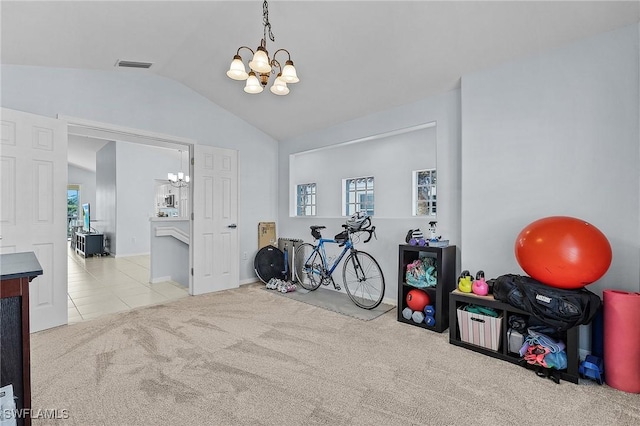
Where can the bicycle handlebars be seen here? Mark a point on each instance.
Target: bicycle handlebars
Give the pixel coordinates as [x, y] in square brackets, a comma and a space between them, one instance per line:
[372, 232]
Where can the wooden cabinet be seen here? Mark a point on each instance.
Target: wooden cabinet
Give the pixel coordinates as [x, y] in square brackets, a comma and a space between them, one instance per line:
[16, 271]
[458, 299]
[445, 263]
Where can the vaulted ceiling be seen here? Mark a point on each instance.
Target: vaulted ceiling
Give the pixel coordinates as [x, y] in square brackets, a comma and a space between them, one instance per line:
[353, 57]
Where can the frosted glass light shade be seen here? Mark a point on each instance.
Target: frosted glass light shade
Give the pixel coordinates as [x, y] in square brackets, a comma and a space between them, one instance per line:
[279, 86]
[253, 85]
[187, 179]
[171, 177]
[237, 70]
[260, 61]
[289, 73]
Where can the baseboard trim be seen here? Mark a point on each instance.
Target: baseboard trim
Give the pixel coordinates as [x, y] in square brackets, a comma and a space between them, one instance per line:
[249, 281]
[160, 279]
[130, 255]
[390, 301]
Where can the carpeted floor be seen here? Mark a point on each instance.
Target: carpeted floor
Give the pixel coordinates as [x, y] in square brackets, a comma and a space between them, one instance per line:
[247, 356]
[334, 301]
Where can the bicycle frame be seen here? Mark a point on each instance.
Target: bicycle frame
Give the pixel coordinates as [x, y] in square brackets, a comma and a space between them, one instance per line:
[348, 245]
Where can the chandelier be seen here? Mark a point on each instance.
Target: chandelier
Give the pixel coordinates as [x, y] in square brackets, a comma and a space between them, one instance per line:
[178, 180]
[262, 66]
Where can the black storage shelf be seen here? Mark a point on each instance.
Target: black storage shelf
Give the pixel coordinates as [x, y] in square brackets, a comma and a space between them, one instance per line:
[439, 295]
[458, 299]
[89, 244]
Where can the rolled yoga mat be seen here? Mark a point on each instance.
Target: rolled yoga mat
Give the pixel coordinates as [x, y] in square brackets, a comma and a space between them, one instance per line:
[622, 340]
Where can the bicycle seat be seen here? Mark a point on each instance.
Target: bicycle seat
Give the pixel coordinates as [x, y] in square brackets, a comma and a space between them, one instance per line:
[315, 231]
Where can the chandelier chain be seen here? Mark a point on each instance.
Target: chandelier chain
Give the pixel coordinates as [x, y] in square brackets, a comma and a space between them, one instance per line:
[265, 20]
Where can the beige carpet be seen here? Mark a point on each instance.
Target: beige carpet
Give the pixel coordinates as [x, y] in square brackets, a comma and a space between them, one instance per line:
[247, 356]
[334, 301]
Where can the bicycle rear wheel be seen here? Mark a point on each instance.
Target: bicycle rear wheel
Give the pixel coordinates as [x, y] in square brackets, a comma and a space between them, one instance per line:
[308, 266]
[363, 279]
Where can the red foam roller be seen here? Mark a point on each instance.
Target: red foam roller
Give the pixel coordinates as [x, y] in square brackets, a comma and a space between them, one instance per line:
[622, 340]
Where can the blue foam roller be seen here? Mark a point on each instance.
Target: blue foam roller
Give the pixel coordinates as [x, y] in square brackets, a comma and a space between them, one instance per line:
[597, 334]
[429, 311]
[430, 321]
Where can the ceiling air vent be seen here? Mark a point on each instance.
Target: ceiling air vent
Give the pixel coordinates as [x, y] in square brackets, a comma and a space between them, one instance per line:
[133, 64]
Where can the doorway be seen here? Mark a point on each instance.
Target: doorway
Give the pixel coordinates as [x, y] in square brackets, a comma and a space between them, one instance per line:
[120, 278]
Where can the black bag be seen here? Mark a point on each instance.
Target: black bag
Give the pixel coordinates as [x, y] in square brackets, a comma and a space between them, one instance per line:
[559, 308]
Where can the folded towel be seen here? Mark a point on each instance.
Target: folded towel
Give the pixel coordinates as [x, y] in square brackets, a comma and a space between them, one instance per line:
[536, 338]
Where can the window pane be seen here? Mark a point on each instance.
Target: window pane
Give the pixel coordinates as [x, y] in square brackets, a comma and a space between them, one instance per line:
[423, 178]
[306, 199]
[359, 195]
[424, 192]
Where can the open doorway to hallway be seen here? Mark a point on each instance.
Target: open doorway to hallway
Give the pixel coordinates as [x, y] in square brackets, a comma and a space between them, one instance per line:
[117, 280]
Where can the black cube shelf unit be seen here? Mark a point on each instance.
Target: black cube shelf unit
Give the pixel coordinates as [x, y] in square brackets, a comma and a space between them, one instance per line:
[439, 295]
[89, 244]
[458, 299]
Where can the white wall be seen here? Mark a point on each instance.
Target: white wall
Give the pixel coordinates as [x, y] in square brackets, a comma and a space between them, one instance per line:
[144, 101]
[137, 168]
[442, 109]
[87, 181]
[404, 153]
[554, 134]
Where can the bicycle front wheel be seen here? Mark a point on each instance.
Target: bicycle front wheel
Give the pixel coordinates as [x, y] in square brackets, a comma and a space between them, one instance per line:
[308, 266]
[363, 279]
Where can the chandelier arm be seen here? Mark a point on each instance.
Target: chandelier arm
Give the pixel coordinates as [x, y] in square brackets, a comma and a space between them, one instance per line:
[244, 47]
[283, 50]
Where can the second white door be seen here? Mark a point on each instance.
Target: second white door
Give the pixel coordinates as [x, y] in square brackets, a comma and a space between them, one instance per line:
[214, 244]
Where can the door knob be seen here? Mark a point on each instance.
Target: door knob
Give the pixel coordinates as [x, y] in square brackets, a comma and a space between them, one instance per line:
[233, 226]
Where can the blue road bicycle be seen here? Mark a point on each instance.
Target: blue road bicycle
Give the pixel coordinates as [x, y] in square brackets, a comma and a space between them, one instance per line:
[362, 277]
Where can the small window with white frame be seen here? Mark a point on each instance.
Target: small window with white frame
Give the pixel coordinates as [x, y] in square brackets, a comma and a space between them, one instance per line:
[424, 192]
[358, 195]
[306, 199]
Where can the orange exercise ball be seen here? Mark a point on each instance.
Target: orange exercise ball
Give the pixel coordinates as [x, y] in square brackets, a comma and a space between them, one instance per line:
[563, 252]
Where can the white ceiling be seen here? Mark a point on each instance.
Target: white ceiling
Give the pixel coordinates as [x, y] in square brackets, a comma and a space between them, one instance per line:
[353, 57]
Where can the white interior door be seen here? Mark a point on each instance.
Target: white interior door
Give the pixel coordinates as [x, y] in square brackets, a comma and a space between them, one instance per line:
[214, 249]
[33, 207]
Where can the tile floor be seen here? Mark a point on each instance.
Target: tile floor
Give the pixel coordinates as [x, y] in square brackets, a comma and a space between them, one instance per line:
[104, 285]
